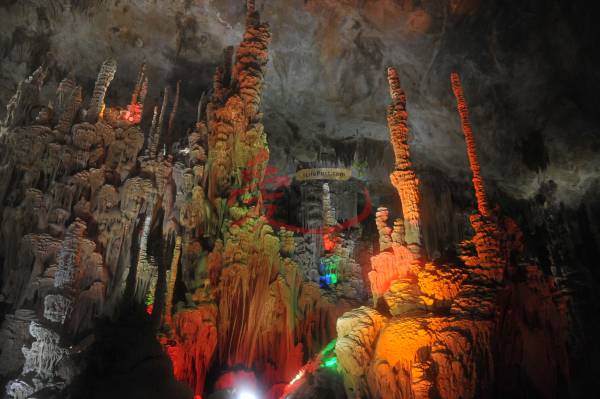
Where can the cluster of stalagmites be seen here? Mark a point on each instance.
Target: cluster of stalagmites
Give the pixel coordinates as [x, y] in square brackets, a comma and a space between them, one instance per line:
[83, 190]
[79, 202]
[443, 330]
[248, 305]
[72, 196]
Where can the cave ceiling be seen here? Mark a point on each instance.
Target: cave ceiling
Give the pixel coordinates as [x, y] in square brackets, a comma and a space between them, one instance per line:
[326, 84]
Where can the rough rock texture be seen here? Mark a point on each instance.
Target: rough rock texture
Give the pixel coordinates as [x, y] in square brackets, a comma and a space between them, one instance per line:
[70, 212]
[247, 305]
[327, 58]
[401, 247]
[441, 329]
[403, 177]
[109, 211]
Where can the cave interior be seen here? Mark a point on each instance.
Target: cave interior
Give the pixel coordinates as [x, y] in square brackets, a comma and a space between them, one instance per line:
[277, 199]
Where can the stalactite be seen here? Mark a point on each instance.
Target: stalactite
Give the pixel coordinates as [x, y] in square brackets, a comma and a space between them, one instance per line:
[105, 76]
[482, 202]
[146, 270]
[172, 279]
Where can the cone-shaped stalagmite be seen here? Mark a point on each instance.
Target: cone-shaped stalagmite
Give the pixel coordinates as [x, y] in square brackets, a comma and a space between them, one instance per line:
[403, 177]
[171, 125]
[153, 128]
[158, 130]
[136, 107]
[105, 76]
[70, 108]
[482, 202]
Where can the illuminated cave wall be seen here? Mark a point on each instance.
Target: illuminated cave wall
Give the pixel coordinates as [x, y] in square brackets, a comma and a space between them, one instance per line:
[201, 199]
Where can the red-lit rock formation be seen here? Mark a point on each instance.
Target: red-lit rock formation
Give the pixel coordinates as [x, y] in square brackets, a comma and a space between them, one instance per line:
[268, 319]
[196, 340]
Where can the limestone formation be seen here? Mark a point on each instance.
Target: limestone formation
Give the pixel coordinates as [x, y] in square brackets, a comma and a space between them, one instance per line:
[441, 322]
[136, 108]
[403, 177]
[463, 111]
[72, 203]
[20, 106]
[105, 77]
[101, 219]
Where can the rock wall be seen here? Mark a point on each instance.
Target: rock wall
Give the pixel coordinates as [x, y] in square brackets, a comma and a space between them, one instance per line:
[104, 211]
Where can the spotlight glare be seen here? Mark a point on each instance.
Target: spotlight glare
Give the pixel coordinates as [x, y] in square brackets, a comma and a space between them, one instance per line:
[247, 395]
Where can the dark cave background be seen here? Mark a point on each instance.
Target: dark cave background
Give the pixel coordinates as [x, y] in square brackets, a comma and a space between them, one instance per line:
[531, 75]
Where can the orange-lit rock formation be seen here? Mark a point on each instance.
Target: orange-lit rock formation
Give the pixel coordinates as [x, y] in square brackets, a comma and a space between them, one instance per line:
[440, 329]
[463, 111]
[400, 246]
[403, 177]
[491, 246]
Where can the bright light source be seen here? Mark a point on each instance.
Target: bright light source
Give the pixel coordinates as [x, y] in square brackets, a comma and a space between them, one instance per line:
[247, 395]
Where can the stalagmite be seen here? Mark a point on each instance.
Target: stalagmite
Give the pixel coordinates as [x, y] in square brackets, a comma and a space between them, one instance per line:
[137, 91]
[105, 76]
[171, 125]
[71, 106]
[86, 175]
[250, 6]
[381, 218]
[159, 127]
[152, 133]
[64, 93]
[136, 108]
[87, 224]
[25, 99]
[403, 177]
[400, 247]
[482, 202]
